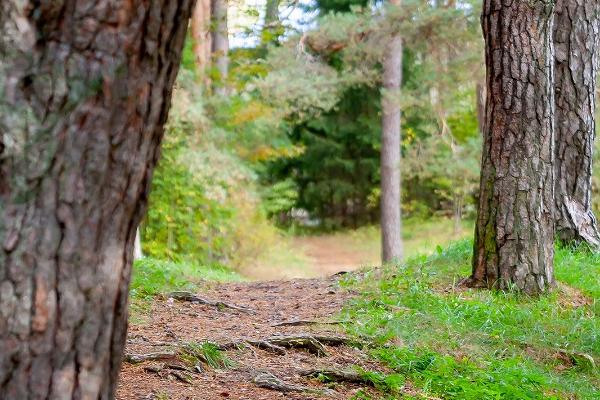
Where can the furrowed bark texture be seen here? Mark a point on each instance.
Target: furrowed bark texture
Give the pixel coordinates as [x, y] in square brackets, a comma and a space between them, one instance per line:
[85, 88]
[514, 232]
[391, 239]
[576, 36]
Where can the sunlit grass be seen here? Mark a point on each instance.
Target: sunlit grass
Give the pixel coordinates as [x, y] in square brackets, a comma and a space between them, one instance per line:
[477, 344]
[153, 277]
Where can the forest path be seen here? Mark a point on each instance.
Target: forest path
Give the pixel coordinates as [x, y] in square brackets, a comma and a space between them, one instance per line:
[171, 324]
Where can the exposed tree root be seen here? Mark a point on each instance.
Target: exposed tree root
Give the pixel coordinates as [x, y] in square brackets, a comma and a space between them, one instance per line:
[307, 342]
[261, 344]
[338, 376]
[269, 381]
[158, 356]
[304, 322]
[191, 297]
[179, 372]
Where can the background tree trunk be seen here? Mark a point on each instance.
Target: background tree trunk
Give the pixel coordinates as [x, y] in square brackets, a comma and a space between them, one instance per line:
[85, 90]
[271, 28]
[480, 104]
[220, 44]
[272, 12]
[201, 33]
[514, 236]
[391, 239]
[576, 38]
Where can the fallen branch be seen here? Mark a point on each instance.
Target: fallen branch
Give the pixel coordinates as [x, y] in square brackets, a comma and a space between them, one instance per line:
[187, 296]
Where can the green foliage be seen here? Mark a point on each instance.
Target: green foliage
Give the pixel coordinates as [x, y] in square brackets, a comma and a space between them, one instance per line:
[152, 277]
[280, 198]
[205, 199]
[326, 85]
[471, 344]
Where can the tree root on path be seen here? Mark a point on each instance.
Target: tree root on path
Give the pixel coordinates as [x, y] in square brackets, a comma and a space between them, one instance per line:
[179, 372]
[158, 356]
[304, 322]
[191, 297]
[337, 375]
[278, 344]
[267, 380]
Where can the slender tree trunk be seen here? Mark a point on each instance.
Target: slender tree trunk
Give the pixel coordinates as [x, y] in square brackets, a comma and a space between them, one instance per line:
[220, 44]
[391, 239]
[576, 36]
[480, 93]
[137, 246]
[271, 26]
[514, 236]
[272, 12]
[201, 33]
[84, 92]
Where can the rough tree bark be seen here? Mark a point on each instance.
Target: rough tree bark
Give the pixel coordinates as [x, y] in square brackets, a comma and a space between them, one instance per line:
[515, 231]
[201, 33]
[391, 239]
[220, 44]
[85, 88]
[576, 36]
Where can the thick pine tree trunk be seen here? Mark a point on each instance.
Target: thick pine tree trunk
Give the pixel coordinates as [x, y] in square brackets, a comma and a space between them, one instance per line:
[220, 44]
[85, 89]
[514, 232]
[576, 36]
[391, 239]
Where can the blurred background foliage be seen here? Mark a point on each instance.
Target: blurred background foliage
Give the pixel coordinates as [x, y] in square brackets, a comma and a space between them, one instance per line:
[294, 145]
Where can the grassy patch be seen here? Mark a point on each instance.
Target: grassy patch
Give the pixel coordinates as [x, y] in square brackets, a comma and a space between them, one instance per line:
[152, 277]
[469, 344]
[206, 352]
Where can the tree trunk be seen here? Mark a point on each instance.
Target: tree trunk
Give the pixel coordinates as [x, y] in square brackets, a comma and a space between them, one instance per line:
[480, 93]
[137, 246]
[576, 38]
[391, 239]
[85, 90]
[514, 236]
[271, 28]
[220, 45]
[272, 12]
[202, 36]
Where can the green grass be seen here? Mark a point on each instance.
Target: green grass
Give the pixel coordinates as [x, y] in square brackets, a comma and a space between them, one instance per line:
[208, 353]
[478, 344]
[153, 277]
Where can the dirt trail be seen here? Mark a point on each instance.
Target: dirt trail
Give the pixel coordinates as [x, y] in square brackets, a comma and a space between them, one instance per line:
[173, 321]
[331, 254]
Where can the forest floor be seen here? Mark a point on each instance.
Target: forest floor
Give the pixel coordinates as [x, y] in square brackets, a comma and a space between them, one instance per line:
[270, 311]
[298, 288]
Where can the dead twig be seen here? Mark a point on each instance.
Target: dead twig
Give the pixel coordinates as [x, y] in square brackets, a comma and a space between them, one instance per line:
[188, 296]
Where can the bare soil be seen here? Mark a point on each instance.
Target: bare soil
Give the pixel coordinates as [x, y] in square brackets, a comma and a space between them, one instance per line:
[172, 321]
